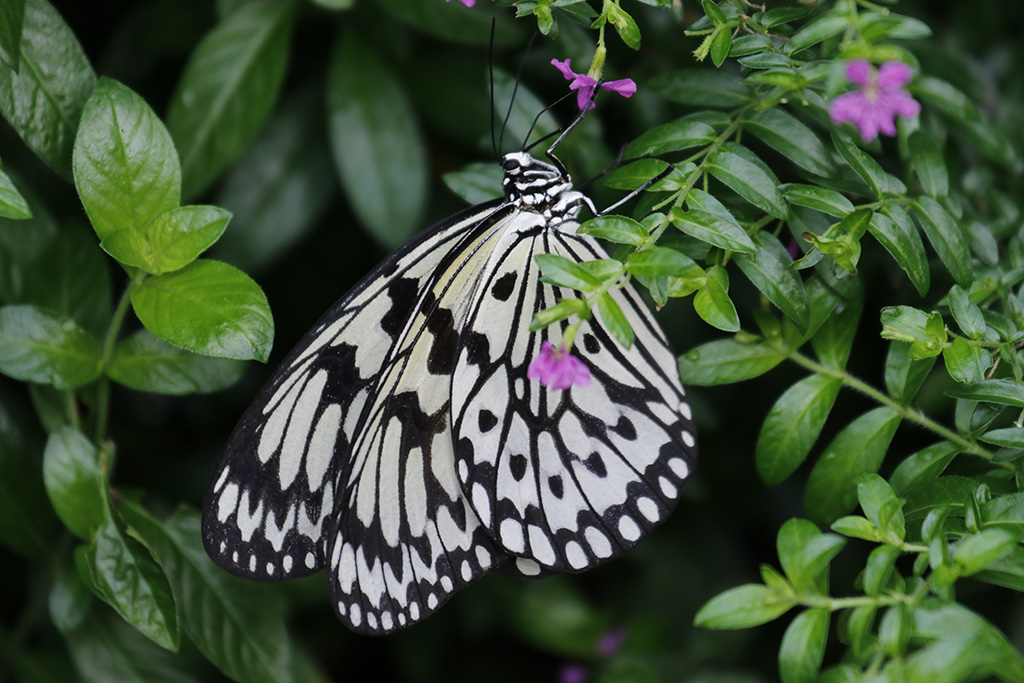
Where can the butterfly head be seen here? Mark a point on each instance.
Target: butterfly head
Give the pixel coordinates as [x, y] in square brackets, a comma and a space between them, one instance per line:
[541, 188]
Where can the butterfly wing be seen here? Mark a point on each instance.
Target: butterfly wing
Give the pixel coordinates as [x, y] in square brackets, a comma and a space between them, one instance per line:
[406, 538]
[565, 480]
[275, 485]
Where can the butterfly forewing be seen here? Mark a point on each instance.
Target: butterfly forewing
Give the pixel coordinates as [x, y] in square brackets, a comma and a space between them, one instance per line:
[275, 487]
[567, 479]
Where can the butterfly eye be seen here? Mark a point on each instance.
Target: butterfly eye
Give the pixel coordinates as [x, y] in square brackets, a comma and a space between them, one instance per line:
[510, 165]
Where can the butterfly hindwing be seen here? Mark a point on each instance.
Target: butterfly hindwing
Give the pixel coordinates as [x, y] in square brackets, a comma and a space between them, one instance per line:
[274, 489]
[572, 478]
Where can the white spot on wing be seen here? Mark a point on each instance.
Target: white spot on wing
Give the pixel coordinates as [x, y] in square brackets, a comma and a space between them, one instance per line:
[221, 479]
[298, 429]
[648, 508]
[598, 542]
[575, 555]
[512, 535]
[321, 446]
[679, 465]
[628, 528]
[527, 567]
[541, 546]
[227, 502]
[667, 487]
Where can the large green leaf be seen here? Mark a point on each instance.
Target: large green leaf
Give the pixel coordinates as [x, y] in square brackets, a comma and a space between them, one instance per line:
[793, 425]
[74, 481]
[378, 149]
[726, 360]
[227, 89]
[769, 269]
[749, 180]
[791, 138]
[37, 346]
[897, 233]
[207, 307]
[12, 21]
[43, 99]
[145, 363]
[946, 237]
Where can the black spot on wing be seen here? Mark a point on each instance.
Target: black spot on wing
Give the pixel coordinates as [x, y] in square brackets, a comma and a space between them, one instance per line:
[478, 349]
[503, 287]
[625, 428]
[486, 421]
[590, 343]
[556, 486]
[402, 292]
[441, 359]
[595, 464]
[517, 464]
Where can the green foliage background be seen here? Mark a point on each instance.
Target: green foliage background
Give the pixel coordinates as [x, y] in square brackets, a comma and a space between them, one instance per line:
[161, 158]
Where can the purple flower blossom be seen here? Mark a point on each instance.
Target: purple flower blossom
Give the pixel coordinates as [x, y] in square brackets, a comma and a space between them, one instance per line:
[611, 642]
[467, 3]
[873, 108]
[585, 84]
[572, 673]
[557, 368]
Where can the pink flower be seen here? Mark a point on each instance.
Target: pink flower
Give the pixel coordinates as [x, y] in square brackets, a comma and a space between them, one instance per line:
[586, 84]
[467, 3]
[881, 98]
[557, 368]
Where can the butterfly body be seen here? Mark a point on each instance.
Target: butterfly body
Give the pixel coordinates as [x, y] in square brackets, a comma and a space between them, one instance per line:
[401, 446]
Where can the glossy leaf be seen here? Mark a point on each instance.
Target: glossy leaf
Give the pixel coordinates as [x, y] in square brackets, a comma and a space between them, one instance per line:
[769, 270]
[74, 482]
[903, 374]
[207, 307]
[749, 181]
[898, 234]
[713, 229]
[712, 302]
[618, 229]
[966, 362]
[946, 237]
[177, 237]
[615, 320]
[1001, 391]
[145, 363]
[12, 203]
[793, 425]
[227, 89]
[803, 646]
[880, 182]
[12, 20]
[563, 272]
[790, 137]
[37, 346]
[742, 607]
[726, 360]
[821, 199]
[685, 133]
[377, 147]
[805, 553]
[858, 448]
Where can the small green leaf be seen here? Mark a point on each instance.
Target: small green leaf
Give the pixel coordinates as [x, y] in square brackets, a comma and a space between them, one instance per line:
[946, 237]
[818, 198]
[791, 138]
[74, 482]
[903, 374]
[130, 581]
[966, 362]
[749, 181]
[879, 568]
[895, 629]
[742, 607]
[900, 238]
[925, 333]
[856, 526]
[713, 12]
[961, 645]
[126, 167]
[979, 551]
[613, 318]
[1008, 437]
[877, 500]
[658, 261]
[12, 204]
[805, 553]
[769, 270]
[42, 100]
[880, 182]
[712, 302]
[476, 183]
[803, 647]
[815, 31]
[618, 229]
[720, 88]
[37, 346]
[177, 237]
[928, 163]
[378, 149]
[690, 131]
[145, 363]
[727, 360]
[713, 229]
[638, 173]
[833, 341]
[625, 26]
[562, 272]
[560, 311]
[858, 448]
[721, 43]
[966, 314]
[227, 89]
[793, 425]
[859, 626]
[207, 307]
[1000, 391]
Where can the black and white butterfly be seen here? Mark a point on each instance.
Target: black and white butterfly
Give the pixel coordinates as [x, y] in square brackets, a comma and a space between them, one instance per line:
[401, 447]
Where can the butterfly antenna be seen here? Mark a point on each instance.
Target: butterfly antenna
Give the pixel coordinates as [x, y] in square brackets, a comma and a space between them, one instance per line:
[515, 89]
[661, 176]
[490, 74]
[527, 148]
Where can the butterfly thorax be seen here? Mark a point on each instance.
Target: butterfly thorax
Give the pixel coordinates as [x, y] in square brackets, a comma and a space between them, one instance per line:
[541, 188]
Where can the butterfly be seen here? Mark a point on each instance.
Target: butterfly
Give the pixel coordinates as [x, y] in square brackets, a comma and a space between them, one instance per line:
[402, 447]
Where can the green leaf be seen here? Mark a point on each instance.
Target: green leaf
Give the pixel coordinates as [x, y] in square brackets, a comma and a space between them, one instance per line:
[926, 333]
[749, 181]
[12, 203]
[145, 363]
[690, 131]
[721, 43]
[176, 238]
[879, 568]
[946, 237]
[742, 607]
[791, 138]
[234, 623]
[769, 270]
[1008, 437]
[638, 173]
[74, 482]
[858, 448]
[563, 272]
[712, 302]
[979, 551]
[560, 311]
[281, 184]
[966, 314]
[928, 163]
[904, 375]
[817, 198]
[966, 362]
[42, 101]
[880, 505]
[126, 168]
[12, 20]
[727, 360]
[793, 425]
[378, 150]
[833, 340]
[1000, 391]
[856, 526]
[894, 630]
[961, 646]
[803, 647]
[618, 229]
[880, 182]
[900, 238]
[626, 27]
[130, 581]
[719, 88]
[476, 183]
[36, 346]
[805, 553]
[713, 229]
[713, 12]
[207, 307]
[658, 261]
[227, 89]
[815, 31]
[613, 318]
